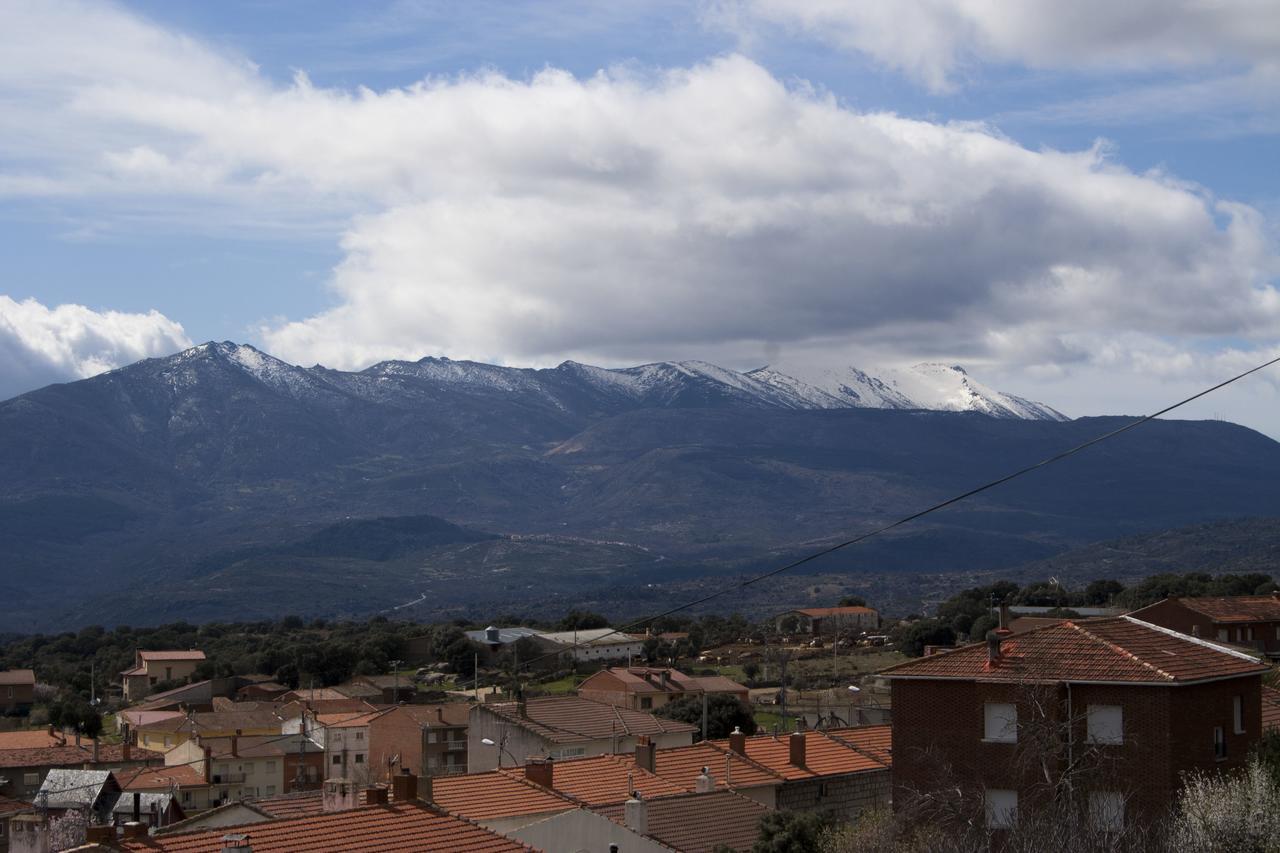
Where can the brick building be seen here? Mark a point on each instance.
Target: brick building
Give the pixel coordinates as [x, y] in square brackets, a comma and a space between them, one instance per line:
[1243, 620]
[643, 688]
[1129, 705]
[426, 740]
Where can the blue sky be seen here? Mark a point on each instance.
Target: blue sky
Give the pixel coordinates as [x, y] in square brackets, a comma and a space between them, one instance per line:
[1081, 208]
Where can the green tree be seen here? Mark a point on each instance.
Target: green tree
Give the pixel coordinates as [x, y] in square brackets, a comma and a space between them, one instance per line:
[790, 832]
[724, 714]
[1100, 592]
[853, 601]
[912, 637]
[581, 620]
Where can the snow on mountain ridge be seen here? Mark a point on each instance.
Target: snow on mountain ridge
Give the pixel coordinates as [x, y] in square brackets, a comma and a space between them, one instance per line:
[928, 386]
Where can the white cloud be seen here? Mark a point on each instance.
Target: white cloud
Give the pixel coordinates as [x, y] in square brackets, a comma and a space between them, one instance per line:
[936, 40]
[39, 345]
[710, 211]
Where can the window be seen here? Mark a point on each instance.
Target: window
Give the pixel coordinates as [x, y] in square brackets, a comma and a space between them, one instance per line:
[646, 702]
[1278, 632]
[1106, 724]
[337, 759]
[1250, 633]
[1224, 635]
[359, 758]
[31, 779]
[1237, 714]
[166, 740]
[1219, 743]
[1000, 723]
[271, 789]
[186, 796]
[1001, 808]
[10, 696]
[359, 735]
[1106, 810]
[433, 737]
[822, 790]
[168, 673]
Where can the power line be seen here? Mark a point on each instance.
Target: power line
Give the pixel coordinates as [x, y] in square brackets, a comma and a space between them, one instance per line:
[1057, 457]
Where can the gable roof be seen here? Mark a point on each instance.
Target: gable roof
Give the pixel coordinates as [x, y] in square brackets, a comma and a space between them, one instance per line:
[70, 755]
[1117, 649]
[602, 779]
[74, 789]
[1235, 608]
[297, 804]
[160, 777]
[696, 823]
[646, 679]
[816, 612]
[370, 829]
[497, 793]
[171, 654]
[683, 765]
[572, 719]
[17, 676]
[825, 755]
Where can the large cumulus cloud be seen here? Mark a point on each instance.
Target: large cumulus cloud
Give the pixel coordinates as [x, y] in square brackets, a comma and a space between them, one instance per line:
[39, 344]
[713, 210]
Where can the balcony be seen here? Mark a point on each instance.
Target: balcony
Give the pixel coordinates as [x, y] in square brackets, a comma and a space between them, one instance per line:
[228, 778]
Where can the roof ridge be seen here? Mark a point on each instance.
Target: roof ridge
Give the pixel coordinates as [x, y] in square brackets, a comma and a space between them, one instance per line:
[510, 773]
[741, 757]
[1200, 641]
[850, 745]
[1120, 649]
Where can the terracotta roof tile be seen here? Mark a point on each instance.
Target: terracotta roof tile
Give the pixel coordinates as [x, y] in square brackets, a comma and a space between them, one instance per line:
[109, 754]
[601, 779]
[1110, 649]
[369, 829]
[8, 805]
[572, 719]
[696, 823]
[824, 755]
[481, 796]
[1236, 608]
[683, 765]
[834, 611]
[177, 655]
[160, 778]
[297, 804]
[1270, 708]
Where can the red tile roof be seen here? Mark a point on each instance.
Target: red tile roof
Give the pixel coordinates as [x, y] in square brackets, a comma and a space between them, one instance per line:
[17, 676]
[572, 719]
[348, 720]
[8, 805]
[1236, 608]
[834, 611]
[297, 804]
[824, 755]
[189, 654]
[1270, 708]
[33, 739]
[643, 679]
[1118, 649]
[109, 754]
[370, 829]
[601, 779]
[874, 741]
[683, 764]
[160, 778]
[481, 796]
[697, 823]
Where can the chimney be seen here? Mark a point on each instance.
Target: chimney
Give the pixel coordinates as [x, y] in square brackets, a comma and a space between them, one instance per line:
[440, 715]
[492, 635]
[375, 796]
[636, 815]
[95, 750]
[1004, 616]
[738, 741]
[646, 754]
[137, 807]
[208, 764]
[339, 795]
[235, 746]
[405, 786]
[1195, 630]
[99, 834]
[236, 842]
[796, 745]
[425, 788]
[993, 647]
[52, 731]
[77, 737]
[135, 829]
[664, 679]
[522, 707]
[704, 784]
[540, 771]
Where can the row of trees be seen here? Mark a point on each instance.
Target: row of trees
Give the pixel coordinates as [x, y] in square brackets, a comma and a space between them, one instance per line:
[967, 614]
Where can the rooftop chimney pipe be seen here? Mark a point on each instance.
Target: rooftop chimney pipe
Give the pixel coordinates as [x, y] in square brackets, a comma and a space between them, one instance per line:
[738, 741]
[704, 784]
[636, 814]
[646, 754]
[540, 771]
[796, 744]
[405, 786]
[993, 647]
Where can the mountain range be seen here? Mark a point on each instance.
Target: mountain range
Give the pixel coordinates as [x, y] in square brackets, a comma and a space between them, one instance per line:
[222, 483]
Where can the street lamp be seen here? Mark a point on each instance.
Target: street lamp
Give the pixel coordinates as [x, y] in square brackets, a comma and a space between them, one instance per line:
[501, 744]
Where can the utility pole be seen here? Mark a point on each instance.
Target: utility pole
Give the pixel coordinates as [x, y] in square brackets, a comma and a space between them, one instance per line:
[395, 669]
[475, 676]
[704, 714]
